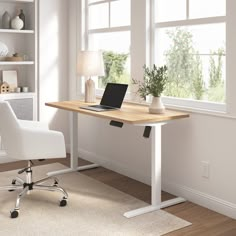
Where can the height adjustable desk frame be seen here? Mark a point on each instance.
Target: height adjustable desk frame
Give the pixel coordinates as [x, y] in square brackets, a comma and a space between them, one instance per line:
[136, 115]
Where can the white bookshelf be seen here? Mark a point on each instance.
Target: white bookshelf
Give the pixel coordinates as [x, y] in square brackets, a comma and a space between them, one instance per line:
[25, 43]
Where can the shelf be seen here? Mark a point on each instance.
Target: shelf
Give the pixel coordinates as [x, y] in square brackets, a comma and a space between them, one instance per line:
[17, 1]
[8, 63]
[7, 96]
[12, 31]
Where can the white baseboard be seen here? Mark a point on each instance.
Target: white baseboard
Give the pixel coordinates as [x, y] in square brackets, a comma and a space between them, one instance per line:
[213, 203]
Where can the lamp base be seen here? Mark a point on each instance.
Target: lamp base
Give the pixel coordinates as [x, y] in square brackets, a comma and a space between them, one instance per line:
[90, 95]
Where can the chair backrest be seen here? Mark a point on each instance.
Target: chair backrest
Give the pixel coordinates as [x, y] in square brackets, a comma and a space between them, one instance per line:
[9, 130]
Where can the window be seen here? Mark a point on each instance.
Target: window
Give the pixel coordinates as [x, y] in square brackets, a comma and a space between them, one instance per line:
[108, 29]
[190, 38]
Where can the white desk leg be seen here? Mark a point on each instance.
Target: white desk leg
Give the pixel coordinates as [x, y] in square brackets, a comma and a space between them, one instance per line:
[73, 149]
[156, 203]
[73, 140]
[156, 174]
[73, 119]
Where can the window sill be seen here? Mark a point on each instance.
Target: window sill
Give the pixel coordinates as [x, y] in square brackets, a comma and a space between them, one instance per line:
[220, 114]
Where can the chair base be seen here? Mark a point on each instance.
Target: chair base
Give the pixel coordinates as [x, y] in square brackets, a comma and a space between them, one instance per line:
[28, 185]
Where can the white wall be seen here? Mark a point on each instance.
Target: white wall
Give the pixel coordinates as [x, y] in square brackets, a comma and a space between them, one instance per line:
[53, 61]
[202, 138]
[186, 143]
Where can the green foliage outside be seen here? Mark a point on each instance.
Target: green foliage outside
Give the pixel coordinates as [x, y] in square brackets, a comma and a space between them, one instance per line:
[216, 84]
[198, 85]
[185, 78]
[154, 81]
[115, 71]
[185, 74]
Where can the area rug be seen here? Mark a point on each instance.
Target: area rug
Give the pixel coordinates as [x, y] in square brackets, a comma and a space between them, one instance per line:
[93, 209]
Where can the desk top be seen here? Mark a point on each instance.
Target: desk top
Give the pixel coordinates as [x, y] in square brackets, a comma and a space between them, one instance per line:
[129, 113]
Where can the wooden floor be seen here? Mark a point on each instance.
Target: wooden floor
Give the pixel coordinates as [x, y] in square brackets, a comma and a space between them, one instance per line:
[204, 222]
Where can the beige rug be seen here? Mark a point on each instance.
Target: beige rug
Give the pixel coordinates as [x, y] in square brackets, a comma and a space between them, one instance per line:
[93, 209]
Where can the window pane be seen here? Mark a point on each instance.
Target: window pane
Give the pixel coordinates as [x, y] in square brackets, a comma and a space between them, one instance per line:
[116, 53]
[98, 16]
[120, 13]
[170, 10]
[92, 1]
[195, 57]
[115, 41]
[206, 8]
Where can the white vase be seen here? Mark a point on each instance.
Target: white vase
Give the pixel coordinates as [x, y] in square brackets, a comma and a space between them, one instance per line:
[148, 98]
[17, 23]
[156, 107]
[90, 91]
[3, 49]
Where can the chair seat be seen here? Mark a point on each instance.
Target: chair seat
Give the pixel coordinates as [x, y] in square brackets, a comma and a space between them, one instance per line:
[29, 140]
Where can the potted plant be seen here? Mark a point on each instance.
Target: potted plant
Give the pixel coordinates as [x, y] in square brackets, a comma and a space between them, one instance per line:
[154, 81]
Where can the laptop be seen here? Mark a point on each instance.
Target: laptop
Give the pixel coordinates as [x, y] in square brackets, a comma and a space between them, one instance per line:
[112, 98]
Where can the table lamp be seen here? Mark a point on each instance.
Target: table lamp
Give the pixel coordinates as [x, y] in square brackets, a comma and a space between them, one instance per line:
[90, 63]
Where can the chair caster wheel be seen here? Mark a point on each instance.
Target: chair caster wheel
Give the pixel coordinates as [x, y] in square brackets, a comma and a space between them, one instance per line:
[63, 203]
[14, 214]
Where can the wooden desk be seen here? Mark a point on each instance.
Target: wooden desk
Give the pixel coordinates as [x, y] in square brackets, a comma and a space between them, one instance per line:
[128, 114]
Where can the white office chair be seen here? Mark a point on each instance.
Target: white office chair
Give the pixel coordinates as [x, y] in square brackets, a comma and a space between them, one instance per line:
[29, 140]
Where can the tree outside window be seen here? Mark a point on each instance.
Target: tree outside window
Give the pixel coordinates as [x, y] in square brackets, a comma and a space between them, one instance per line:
[115, 68]
[186, 76]
[192, 43]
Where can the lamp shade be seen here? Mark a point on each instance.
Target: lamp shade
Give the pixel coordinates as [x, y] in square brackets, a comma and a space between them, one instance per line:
[90, 63]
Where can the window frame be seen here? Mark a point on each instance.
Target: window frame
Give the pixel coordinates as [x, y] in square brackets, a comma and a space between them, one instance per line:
[109, 29]
[183, 102]
[143, 26]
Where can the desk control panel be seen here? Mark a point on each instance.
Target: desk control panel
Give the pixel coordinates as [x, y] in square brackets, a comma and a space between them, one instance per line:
[116, 123]
[147, 131]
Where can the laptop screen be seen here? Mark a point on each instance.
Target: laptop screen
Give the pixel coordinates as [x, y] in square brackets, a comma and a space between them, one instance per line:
[114, 95]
